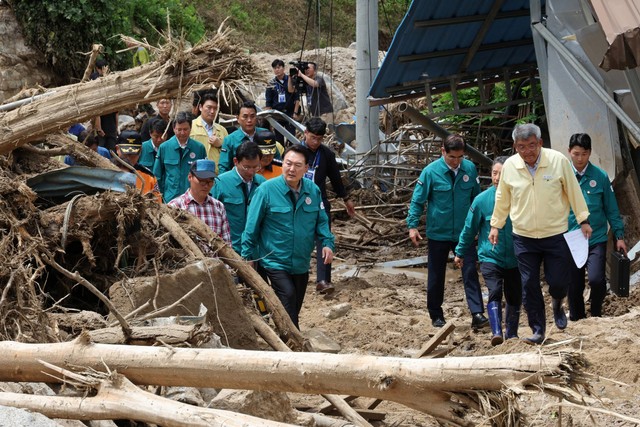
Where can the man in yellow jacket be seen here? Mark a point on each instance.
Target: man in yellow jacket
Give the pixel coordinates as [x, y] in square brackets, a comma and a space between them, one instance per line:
[536, 190]
[205, 130]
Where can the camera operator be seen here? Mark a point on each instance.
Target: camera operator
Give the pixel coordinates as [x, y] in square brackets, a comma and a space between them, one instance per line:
[279, 98]
[318, 101]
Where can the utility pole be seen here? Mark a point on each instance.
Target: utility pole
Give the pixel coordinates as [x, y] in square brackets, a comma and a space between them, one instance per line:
[367, 118]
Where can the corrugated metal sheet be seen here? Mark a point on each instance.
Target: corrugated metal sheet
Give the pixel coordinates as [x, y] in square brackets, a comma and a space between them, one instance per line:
[443, 39]
[620, 21]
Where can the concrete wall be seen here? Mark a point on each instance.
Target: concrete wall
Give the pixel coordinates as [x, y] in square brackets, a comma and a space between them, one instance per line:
[19, 66]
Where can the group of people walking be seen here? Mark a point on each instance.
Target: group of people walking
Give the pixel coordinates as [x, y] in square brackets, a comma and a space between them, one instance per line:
[537, 195]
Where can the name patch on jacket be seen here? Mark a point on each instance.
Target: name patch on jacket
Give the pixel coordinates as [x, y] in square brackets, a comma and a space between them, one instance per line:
[420, 182]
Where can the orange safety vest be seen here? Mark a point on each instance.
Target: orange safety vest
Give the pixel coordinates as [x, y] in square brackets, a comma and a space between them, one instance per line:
[275, 171]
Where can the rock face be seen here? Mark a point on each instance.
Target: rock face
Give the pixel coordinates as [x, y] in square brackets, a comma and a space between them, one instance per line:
[19, 64]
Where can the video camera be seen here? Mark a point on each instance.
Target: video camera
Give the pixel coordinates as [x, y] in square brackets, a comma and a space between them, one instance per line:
[298, 82]
[300, 65]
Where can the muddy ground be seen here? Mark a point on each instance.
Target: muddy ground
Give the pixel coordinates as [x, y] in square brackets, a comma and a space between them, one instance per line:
[388, 317]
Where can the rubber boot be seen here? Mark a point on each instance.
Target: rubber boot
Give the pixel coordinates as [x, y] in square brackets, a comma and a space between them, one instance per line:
[559, 316]
[538, 327]
[495, 320]
[511, 321]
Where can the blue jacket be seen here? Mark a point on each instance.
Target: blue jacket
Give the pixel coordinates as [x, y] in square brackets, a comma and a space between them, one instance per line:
[478, 223]
[284, 233]
[228, 188]
[172, 169]
[447, 202]
[602, 204]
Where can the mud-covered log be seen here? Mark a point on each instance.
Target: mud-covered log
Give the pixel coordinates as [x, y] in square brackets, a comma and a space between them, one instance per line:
[153, 335]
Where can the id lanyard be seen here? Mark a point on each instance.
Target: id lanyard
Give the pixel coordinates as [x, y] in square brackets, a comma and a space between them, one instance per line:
[311, 173]
[282, 92]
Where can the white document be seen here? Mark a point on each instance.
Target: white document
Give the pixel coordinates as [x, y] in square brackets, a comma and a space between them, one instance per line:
[578, 245]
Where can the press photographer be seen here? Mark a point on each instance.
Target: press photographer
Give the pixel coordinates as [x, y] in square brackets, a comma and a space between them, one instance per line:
[318, 101]
[277, 97]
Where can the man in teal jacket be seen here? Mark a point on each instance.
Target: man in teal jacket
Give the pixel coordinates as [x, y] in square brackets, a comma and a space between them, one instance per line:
[150, 146]
[236, 187]
[603, 209]
[286, 216]
[175, 157]
[247, 119]
[498, 263]
[448, 186]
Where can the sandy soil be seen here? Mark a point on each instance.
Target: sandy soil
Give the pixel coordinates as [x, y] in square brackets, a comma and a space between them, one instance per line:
[389, 317]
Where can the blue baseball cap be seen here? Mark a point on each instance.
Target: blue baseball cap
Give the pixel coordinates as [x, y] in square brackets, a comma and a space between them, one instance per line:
[204, 169]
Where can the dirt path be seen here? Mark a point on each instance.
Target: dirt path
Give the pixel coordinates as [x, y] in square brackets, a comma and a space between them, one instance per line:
[388, 316]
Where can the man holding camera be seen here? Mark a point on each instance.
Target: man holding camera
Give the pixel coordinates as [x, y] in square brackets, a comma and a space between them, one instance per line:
[279, 98]
[318, 100]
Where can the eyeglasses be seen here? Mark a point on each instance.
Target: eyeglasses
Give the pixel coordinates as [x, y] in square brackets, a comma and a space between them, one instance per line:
[528, 147]
[250, 168]
[204, 181]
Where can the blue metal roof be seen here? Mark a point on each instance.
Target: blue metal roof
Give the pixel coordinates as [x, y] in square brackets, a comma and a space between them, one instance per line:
[440, 40]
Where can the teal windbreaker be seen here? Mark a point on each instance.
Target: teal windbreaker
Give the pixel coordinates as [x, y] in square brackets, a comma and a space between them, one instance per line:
[229, 190]
[447, 202]
[172, 169]
[478, 223]
[603, 207]
[284, 233]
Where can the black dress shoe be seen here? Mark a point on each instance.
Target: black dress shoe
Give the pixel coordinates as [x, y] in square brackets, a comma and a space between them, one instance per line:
[479, 321]
[438, 322]
[323, 287]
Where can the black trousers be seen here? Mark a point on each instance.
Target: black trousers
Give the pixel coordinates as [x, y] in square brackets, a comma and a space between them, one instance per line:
[502, 280]
[595, 267]
[290, 289]
[553, 253]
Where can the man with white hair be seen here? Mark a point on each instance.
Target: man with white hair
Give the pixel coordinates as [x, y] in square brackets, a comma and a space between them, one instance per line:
[537, 189]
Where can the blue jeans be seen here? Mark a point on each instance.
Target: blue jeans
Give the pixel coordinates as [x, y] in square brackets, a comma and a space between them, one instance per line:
[436, 269]
[553, 253]
[595, 268]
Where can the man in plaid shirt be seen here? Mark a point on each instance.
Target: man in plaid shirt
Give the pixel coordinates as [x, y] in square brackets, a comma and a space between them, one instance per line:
[197, 200]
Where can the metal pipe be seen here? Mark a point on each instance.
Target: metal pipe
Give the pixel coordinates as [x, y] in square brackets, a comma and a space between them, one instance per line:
[19, 103]
[417, 117]
[588, 79]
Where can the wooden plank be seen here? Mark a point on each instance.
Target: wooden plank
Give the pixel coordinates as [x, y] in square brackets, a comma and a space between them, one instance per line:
[435, 340]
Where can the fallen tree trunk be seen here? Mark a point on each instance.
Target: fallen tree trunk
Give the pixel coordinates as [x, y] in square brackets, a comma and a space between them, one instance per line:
[118, 398]
[213, 61]
[412, 382]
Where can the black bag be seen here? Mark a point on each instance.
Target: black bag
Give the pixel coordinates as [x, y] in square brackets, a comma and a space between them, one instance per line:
[619, 273]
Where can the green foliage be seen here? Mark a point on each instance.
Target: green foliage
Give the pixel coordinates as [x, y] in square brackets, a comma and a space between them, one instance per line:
[470, 97]
[63, 29]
